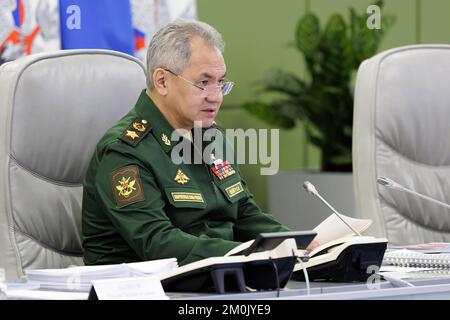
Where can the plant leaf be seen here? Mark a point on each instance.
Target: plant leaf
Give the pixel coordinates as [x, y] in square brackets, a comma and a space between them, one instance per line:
[283, 82]
[308, 34]
[271, 114]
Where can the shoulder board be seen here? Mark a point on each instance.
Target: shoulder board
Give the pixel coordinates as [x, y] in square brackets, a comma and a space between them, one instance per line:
[136, 131]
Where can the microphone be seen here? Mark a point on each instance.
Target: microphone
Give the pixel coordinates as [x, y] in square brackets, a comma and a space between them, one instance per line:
[389, 183]
[312, 189]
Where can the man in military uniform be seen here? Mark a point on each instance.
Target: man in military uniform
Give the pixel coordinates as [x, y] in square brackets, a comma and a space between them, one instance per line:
[138, 204]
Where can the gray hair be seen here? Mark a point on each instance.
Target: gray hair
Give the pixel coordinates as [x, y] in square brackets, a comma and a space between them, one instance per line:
[170, 46]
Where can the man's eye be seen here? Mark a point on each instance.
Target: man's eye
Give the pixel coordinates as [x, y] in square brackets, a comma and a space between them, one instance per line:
[204, 83]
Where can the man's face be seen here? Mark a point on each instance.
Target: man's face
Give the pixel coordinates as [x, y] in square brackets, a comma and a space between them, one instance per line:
[186, 102]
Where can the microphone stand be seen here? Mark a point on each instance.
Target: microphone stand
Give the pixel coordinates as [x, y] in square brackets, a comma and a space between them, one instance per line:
[389, 183]
[311, 189]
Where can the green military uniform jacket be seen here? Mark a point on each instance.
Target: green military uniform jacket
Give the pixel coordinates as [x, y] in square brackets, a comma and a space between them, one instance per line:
[139, 205]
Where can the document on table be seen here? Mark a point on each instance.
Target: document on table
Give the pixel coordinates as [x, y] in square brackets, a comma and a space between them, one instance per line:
[80, 278]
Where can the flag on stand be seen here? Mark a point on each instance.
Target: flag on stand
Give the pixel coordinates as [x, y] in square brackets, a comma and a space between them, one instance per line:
[28, 26]
[149, 16]
[99, 24]
[31, 26]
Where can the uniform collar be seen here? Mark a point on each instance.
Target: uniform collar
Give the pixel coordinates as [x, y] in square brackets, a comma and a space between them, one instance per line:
[161, 128]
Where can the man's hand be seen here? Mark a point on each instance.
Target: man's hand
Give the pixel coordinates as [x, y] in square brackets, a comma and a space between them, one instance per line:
[314, 244]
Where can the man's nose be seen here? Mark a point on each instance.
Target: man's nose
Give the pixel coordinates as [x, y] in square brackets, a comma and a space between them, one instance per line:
[215, 96]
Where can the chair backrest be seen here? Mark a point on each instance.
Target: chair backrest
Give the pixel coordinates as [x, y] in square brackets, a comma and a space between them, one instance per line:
[54, 108]
[401, 130]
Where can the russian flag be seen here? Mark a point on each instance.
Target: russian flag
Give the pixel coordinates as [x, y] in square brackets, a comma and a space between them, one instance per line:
[97, 24]
[18, 14]
[139, 40]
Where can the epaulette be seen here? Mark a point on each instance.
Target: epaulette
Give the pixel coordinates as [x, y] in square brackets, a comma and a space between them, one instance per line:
[136, 131]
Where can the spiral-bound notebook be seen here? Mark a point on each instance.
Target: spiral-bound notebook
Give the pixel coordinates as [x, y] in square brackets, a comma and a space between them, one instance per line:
[408, 258]
[407, 264]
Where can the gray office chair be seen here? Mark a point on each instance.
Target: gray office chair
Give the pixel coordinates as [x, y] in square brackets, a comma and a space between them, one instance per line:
[54, 107]
[401, 130]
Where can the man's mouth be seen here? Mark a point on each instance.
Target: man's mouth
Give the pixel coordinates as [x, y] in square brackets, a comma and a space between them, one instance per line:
[210, 111]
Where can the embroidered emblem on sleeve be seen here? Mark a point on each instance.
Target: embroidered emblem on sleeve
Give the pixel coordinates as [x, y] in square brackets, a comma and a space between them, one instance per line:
[126, 185]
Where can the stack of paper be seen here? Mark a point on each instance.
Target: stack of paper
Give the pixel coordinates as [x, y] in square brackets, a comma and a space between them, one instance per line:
[19, 294]
[80, 278]
[433, 247]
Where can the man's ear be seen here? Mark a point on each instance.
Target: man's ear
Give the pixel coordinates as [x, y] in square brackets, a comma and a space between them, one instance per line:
[160, 81]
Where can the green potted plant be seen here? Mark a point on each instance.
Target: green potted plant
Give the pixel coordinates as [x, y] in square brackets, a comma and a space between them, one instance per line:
[324, 101]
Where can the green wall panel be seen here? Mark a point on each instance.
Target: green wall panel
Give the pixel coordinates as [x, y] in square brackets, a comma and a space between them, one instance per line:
[435, 21]
[259, 36]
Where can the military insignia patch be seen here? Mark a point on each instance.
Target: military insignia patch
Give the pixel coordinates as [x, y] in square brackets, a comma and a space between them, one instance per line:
[187, 196]
[181, 177]
[139, 126]
[234, 189]
[132, 134]
[135, 132]
[126, 185]
[166, 140]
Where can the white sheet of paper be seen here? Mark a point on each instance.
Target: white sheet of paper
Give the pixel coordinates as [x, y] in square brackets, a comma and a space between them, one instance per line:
[25, 294]
[333, 228]
[142, 288]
